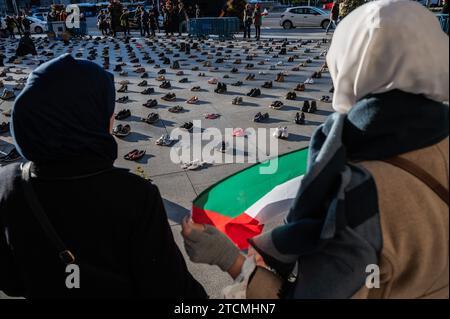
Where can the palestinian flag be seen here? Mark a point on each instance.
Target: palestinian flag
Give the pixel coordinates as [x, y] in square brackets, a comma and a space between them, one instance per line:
[242, 203]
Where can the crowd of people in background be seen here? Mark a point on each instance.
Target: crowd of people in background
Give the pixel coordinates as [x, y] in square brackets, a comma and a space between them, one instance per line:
[252, 16]
[13, 23]
[175, 17]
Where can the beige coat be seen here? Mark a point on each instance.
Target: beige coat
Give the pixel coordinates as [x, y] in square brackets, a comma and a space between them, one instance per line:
[414, 223]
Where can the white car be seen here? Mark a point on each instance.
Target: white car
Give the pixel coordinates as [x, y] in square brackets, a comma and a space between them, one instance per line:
[36, 26]
[305, 16]
[41, 16]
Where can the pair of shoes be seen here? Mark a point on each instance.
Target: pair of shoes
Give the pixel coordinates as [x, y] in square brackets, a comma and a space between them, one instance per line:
[192, 100]
[221, 88]
[281, 133]
[165, 85]
[280, 78]
[238, 83]
[254, 93]
[148, 91]
[213, 81]
[188, 126]
[300, 87]
[212, 116]
[164, 140]
[4, 127]
[234, 70]
[250, 77]
[123, 114]
[7, 95]
[291, 96]
[239, 132]
[237, 101]
[143, 83]
[176, 65]
[134, 155]
[277, 105]
[325, 98]
[169, 97]
[259, 117]
[176, 109]
[196, 89]
[123, 88]
[12, 156]
[152, 118]
[194, 165]
[122, 130]
[150, 103]
[299, 118]
[123, 99]
[268, 85]
[184, 80]
[309, 107]
[316, 75]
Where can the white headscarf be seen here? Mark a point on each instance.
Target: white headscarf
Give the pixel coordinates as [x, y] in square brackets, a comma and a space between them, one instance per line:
[386, 45]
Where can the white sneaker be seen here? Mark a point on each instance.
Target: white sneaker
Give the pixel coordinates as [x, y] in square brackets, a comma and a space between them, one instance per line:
[278, 132]
[284, 133]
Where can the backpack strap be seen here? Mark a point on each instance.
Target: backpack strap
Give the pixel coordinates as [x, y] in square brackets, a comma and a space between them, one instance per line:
[64, 254]
[422, 175]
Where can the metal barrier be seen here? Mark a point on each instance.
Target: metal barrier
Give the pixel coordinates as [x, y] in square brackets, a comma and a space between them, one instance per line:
[222, 27]
[443, 19]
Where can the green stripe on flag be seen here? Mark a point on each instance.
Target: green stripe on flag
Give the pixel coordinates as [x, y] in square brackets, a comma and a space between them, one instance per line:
[233, 195]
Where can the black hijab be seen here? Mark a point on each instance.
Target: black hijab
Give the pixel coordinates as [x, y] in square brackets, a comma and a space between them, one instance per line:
[63, 114]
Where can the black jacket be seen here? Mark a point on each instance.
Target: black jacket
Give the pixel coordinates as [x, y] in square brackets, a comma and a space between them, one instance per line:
[114, 223]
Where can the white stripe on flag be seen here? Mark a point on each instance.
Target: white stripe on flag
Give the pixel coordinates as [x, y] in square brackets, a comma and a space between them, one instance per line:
[277, 201]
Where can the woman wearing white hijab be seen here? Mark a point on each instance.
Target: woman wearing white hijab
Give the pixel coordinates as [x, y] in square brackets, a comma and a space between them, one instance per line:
[371, 217]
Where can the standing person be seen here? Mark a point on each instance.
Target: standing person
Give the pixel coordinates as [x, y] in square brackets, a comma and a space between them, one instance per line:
[18, 21]
[182, 18]
[26, 45]
[10, 25]
[248, 20]
[125, 22]
[145, 20]
[138, 15]
[100, 21]
[153, 23]
[115, 12]
[257, 21]
[170, 19]
[156, 14]
[123, 249]
[334, 16]
[26, 24]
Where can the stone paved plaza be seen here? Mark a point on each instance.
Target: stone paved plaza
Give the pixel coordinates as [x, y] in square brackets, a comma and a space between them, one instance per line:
[178, 186]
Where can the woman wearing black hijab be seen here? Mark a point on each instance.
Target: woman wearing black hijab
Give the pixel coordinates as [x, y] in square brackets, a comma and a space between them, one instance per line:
[112, 222]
